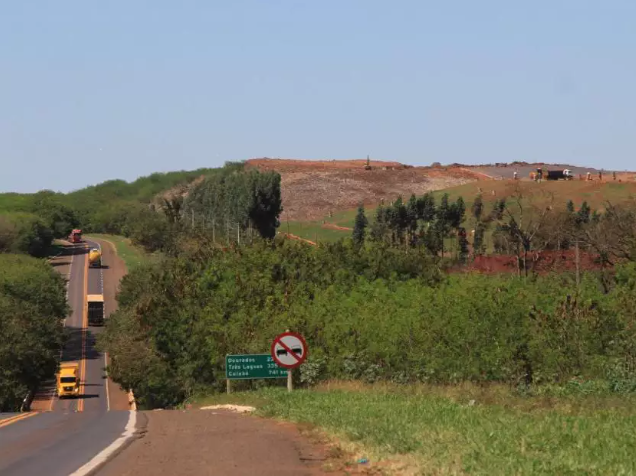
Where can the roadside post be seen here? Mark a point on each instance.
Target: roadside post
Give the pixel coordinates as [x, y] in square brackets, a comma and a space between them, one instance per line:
[289, 350]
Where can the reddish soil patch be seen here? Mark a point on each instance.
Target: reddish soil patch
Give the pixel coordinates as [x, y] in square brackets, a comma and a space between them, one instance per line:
[543, 262]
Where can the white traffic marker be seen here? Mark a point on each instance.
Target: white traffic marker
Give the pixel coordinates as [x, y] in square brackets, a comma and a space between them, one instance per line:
[107, 452]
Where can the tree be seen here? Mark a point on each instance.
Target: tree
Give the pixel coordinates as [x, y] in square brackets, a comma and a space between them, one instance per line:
[525, 221]
[380, 227]
[477, 208]
[478, 239]
[32, 306]
[426, 208]
[570, 206]
[584, 213]
[360, 227]
[613, 234]
[498, 209]
[412, 215]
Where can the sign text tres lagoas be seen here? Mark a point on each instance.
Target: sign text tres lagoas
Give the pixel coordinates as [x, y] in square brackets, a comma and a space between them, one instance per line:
[252, 366]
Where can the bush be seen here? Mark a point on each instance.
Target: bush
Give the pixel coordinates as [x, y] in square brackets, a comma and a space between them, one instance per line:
[24, 233]
[368, 313]
[32, 306]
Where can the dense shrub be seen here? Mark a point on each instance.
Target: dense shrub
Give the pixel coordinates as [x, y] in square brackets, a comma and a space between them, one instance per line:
[24, 233]
[368, 313]
[32, 306]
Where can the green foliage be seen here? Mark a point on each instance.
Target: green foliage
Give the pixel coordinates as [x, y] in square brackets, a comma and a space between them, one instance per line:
[250, 199]
[24, 233]
[360, 227]
[179, 318]
[32, 306]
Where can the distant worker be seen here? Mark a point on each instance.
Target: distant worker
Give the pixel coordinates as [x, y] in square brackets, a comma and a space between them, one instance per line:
[514, 174]
[614, 175]
[600, 175]
[589, 176]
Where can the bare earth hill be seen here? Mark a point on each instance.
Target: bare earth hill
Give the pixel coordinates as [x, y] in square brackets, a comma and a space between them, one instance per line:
[312, 189]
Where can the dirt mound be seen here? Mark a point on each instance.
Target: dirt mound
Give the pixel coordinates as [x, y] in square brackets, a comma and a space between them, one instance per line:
[311, 189]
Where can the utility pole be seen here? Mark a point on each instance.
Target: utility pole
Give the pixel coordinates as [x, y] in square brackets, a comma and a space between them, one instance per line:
[238, 233]
[213, 230]
[193, 218]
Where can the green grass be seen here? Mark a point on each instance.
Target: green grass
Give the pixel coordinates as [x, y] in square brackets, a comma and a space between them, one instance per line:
[132, 255]
[312, 230]
[441, 434]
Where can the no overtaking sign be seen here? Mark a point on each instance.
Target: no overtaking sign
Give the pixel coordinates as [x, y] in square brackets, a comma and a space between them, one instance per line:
[289, 350]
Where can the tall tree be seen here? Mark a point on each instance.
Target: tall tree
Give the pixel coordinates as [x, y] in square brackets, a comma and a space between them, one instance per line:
[360, 227]
[477, 208]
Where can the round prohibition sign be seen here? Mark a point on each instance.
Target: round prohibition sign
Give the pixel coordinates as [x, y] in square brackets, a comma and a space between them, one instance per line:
[289, 350]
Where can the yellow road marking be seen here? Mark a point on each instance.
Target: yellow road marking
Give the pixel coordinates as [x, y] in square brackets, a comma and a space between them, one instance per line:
[13, 419]
[80, 403]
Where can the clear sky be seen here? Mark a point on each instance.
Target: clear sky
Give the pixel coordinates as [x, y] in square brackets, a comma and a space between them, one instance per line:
[91, 90]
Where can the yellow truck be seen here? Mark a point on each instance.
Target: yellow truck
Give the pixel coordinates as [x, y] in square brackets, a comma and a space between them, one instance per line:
[68, 384]
[95, 258]
[95, 303]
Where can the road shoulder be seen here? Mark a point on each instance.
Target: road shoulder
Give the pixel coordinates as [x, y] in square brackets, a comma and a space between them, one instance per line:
[204, 442]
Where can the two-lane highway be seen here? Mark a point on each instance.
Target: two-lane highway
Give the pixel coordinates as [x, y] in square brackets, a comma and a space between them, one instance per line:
[67, 434]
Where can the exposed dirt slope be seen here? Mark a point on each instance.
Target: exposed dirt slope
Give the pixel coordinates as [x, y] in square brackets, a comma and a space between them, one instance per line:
[312, 189]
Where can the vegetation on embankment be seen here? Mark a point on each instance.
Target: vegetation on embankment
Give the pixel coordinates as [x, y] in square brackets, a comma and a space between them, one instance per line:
[32, 307]
[371, 313]
[466, 429]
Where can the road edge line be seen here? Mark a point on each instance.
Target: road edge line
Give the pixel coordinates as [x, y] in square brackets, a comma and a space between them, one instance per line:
[104, 456]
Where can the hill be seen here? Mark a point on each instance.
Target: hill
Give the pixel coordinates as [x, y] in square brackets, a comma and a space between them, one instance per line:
[314, 189]
[596, 193]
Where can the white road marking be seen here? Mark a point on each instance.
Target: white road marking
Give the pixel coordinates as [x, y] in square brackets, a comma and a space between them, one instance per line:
[103, 456]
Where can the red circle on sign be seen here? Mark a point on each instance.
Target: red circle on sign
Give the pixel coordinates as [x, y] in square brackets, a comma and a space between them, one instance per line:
[299, 359]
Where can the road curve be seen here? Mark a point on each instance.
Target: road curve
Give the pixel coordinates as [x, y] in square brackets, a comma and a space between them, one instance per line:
[64, 435]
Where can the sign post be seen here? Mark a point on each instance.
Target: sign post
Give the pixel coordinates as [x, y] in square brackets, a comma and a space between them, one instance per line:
[289, 350]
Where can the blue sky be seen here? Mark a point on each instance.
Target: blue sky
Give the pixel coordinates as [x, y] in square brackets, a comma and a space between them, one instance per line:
[91, 91]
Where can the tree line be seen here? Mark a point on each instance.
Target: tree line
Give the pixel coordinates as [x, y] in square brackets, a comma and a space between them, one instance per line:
[32, 309]
[522, 225]
[179, 318]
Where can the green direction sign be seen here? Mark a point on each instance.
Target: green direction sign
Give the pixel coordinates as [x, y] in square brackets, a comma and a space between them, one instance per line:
[238, 367]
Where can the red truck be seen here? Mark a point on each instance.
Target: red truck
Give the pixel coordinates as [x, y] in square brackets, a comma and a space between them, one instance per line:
[75, 236]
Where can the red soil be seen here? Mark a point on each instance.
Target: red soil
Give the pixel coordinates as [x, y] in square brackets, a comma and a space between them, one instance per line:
[543, 262]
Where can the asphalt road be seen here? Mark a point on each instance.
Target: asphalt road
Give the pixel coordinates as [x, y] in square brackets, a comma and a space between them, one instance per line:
[63, 435]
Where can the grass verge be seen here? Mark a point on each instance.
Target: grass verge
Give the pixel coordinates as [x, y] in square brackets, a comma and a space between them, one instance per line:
[419, 430]
[132, 255]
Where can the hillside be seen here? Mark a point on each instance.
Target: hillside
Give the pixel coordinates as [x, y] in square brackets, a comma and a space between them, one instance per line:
[596, 193]
[313, 189]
